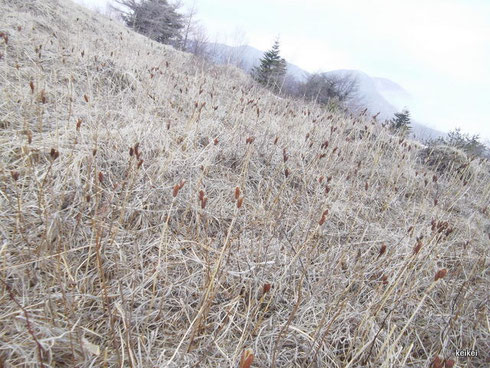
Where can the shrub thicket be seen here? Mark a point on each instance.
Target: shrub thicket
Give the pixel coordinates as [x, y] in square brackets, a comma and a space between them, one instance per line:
[470, 144]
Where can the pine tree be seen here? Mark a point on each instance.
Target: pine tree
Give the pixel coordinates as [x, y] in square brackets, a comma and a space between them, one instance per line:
[401, 122]
[272, 69]
[156, 19]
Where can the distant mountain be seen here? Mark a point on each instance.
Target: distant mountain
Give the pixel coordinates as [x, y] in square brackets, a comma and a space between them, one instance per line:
[393, 92]
[383, 96]
[374, 93]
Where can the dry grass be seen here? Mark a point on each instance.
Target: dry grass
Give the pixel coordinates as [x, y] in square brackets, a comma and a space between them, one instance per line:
[126, 243]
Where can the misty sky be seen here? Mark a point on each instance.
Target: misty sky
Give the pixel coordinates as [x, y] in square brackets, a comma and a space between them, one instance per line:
[438, 50]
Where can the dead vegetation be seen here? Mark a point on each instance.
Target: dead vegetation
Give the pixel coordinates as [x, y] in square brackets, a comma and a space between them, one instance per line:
[156, 211]
[447, 160]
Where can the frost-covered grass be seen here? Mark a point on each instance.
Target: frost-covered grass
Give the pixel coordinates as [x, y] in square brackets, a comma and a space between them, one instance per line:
[125, 241]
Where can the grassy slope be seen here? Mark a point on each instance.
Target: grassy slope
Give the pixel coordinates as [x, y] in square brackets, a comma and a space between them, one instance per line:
[101, 264]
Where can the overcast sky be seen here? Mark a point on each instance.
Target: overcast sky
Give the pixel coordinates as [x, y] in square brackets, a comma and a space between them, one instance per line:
[437, 50]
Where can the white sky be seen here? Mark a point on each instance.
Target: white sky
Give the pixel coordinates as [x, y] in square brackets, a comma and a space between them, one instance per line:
[438, 50]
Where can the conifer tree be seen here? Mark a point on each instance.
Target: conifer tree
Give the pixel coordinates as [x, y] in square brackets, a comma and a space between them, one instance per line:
[401, 122]
[156, 19]
[272, 69]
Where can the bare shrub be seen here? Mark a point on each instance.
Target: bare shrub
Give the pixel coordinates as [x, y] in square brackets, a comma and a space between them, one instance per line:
[447, 160]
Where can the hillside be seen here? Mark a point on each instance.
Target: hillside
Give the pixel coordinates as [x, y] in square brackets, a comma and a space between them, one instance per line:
[157, 211]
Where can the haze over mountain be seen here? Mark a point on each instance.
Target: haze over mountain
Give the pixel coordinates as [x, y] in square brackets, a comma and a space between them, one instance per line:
[378, 95]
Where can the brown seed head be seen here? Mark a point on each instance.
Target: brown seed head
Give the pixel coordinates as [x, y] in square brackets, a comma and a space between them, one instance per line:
[247, 358]
[440, 274]
[85, 97]
[31, 84]
[239, 202]
[42, 96]
[449, 363]
[176, 190]
[266, 288]
[15, 175]
[54, 154]
[101, 177]
[382, 250]
[417, 247]
[437, 362]
[237, 193]
[324, 218]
